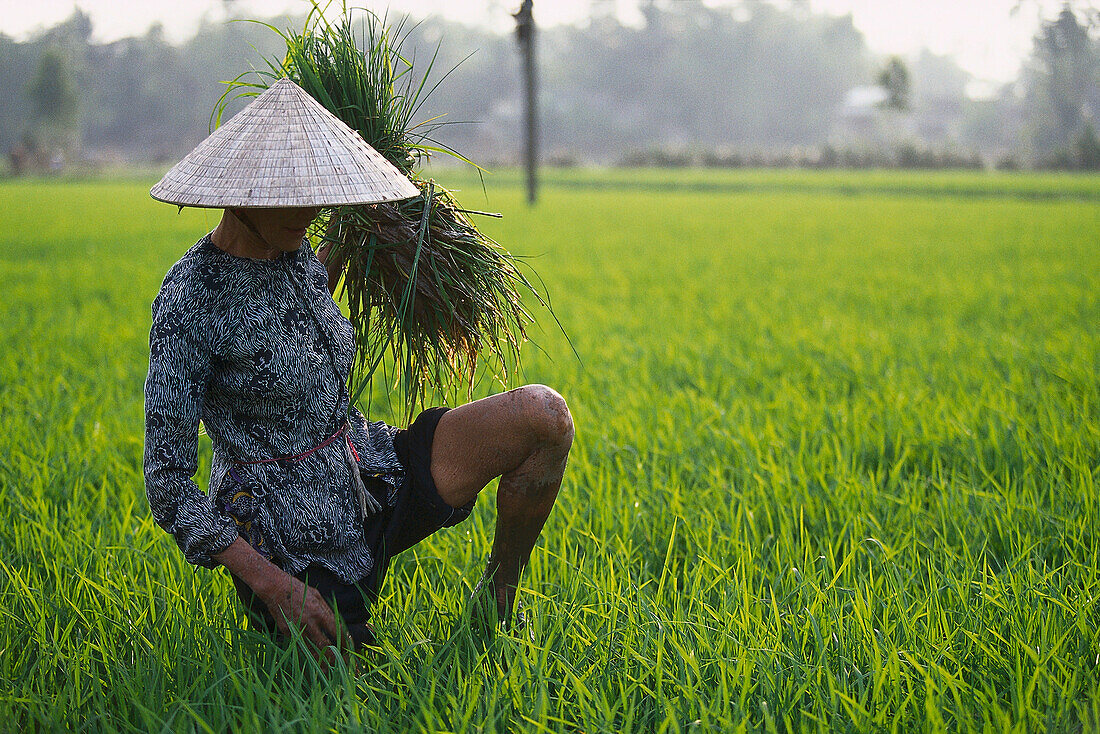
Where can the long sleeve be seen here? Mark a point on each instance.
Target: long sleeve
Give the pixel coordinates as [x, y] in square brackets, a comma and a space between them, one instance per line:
[179, 369]
[259, 352]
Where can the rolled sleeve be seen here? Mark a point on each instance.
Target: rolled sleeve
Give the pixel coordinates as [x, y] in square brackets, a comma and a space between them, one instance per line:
[179, 370]
[373, 442]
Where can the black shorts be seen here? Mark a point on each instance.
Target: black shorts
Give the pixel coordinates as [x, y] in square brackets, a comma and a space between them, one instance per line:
[418, 512]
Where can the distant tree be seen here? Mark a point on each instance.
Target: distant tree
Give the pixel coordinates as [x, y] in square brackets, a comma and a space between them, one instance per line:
[600, 9]
[894, 78]
[18, 62]
[1062, 83]
[52, 92]
[525, 35]
[1089, 10]
[71, 33]
[994, 125]
[753, 77]
[1086, 150]
[54, 103]
[937, 97]
[697, 75]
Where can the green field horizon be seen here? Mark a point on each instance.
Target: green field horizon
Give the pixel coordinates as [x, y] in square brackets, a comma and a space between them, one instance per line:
[836, 462]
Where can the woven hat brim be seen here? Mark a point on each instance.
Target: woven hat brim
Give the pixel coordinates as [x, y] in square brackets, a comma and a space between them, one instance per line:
[273, 203]
[283, 150]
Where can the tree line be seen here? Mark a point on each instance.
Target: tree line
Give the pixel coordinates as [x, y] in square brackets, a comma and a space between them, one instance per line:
[744, 84]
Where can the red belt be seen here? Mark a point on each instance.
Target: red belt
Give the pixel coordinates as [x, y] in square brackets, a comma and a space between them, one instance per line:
[342, 431]
[368, 505]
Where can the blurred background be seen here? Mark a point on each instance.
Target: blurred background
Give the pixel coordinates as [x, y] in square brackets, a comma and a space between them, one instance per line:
[1006, 84]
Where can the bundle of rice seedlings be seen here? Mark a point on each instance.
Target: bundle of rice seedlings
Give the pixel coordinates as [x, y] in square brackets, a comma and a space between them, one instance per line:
[433, 301]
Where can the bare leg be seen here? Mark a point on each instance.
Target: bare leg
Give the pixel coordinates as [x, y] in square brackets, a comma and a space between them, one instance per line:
[523, 436]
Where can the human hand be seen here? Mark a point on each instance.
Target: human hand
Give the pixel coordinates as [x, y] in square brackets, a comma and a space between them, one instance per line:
[291, 602]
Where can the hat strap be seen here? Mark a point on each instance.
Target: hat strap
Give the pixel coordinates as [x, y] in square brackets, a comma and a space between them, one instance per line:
[247, 222]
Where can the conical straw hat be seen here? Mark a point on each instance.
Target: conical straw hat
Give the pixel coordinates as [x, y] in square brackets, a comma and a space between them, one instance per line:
[283, 150]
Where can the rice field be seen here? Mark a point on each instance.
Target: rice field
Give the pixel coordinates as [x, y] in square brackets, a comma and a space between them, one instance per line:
[836, 468]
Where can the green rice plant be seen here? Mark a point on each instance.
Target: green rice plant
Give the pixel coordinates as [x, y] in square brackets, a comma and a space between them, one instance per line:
[431, 298]
[836, 469]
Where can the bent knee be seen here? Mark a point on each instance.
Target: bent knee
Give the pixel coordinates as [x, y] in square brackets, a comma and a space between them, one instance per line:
[548, 414]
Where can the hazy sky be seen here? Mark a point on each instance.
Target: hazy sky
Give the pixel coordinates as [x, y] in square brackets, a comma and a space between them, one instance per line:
[984, 36]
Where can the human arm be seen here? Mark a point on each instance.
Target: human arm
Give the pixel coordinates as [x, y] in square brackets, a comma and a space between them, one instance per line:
[287, 598]
[179, 370]
[180, 364]
[334, 265]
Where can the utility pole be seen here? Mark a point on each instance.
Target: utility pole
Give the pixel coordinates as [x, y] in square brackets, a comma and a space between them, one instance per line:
[525, 37]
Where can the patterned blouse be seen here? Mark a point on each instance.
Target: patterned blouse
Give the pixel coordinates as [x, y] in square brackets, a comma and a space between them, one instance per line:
[260, 353]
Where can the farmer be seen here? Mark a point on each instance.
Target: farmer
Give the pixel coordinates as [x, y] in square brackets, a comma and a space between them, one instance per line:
[308, 501]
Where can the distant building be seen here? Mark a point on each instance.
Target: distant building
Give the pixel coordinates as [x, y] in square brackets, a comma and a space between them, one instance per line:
[863, 102]
[863, 120]
[935, 117]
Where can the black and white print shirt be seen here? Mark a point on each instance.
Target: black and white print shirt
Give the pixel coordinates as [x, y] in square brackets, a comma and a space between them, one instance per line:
[260, 353]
